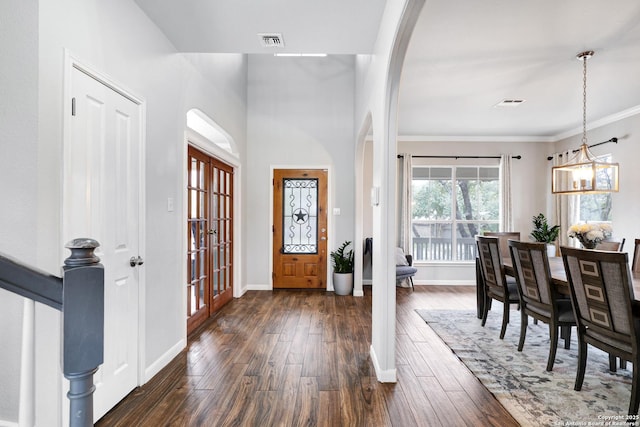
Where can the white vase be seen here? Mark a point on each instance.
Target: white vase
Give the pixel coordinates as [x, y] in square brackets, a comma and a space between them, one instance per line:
[343, 283]
[551, 250]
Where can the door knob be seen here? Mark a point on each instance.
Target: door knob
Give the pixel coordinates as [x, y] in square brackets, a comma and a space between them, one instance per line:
[133, 261]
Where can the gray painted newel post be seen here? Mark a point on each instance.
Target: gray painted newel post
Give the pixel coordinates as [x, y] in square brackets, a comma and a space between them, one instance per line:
[83, 326]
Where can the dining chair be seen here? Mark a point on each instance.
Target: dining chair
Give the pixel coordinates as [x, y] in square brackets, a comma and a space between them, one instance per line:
[496, 284]
[539, 297]
[504, 237]
[611, 245]
[636, 257]
[602, 296]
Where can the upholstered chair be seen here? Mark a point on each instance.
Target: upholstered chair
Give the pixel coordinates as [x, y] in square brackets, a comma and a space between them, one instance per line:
[539, 297]
[602, 297]
[496, 285]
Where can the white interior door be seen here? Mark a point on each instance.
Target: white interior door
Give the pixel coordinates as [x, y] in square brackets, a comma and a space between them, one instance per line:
[101, 201]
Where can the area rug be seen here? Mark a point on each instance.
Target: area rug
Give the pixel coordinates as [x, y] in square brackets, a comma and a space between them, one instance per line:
[519, 380]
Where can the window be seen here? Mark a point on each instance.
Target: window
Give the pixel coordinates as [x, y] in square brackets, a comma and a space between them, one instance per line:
[597, 207]
[450, 206]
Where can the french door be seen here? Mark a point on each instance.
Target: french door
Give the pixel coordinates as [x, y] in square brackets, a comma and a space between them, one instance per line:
[210, 233]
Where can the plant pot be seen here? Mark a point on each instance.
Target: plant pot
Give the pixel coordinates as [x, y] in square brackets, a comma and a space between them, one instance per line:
[343, 283]
[551, 250]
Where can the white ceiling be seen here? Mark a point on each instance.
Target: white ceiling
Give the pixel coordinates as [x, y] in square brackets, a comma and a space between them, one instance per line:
[465, 56]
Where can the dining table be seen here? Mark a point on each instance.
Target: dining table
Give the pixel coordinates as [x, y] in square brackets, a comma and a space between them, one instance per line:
[559, 276]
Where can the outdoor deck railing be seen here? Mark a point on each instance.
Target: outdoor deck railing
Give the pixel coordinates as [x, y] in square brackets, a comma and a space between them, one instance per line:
[441, 249]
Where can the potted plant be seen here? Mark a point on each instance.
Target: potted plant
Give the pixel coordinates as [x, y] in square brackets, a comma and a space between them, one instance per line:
[342, 262]
[545, 234]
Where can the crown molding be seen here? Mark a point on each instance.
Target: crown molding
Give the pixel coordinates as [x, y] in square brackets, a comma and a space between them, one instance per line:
[451, 138]
[607, 120]
[531, 138]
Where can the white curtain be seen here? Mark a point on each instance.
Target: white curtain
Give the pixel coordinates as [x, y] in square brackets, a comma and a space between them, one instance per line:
[506, 221]
[404, 202]
[565, 206]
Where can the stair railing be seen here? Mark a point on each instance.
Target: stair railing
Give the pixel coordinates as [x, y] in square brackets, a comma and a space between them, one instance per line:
[79, 295]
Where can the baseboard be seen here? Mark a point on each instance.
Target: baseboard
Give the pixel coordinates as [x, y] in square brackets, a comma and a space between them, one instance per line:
[163, 360]
[358, 293]
[4, 423]
[388, 376]
[259, 287]
[444, 282]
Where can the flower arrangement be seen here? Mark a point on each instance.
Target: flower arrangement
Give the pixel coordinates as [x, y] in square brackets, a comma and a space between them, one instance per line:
[590, 234]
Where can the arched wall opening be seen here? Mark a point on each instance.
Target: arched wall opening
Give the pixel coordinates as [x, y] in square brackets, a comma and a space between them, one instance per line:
[207, 136]
[363, 211]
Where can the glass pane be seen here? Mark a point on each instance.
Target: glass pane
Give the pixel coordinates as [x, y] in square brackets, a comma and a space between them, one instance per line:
[193, 306]
[431, 241]
[193, 199]
[194, 173]
[466, 247]
[215, 284]
[595, 207]
[202, 264]
[201, 301]
[489, 200]
[299, 222]
[467, 199]
[202, 205]
[431, 199]
[192, 269]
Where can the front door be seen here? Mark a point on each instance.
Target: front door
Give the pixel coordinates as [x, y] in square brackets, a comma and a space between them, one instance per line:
[210, 237]
[300, 228]
[102, 182]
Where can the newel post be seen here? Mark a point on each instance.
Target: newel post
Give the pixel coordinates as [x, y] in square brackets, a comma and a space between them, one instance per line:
[82, 326]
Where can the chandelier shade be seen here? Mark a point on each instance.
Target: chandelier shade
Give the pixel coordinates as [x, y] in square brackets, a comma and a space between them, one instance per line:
[584, 173]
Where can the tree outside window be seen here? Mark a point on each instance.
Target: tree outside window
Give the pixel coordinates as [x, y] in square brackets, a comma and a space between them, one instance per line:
[597, 207]
[450, 206]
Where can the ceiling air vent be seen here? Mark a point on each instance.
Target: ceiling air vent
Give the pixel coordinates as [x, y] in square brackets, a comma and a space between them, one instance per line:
[509, 103]
[271, 40]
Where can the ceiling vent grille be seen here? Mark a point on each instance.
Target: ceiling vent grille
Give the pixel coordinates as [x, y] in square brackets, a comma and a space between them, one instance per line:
[271, 40]
[509, 103]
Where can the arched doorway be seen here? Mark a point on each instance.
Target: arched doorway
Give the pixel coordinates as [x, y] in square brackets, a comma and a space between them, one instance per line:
[210, 213]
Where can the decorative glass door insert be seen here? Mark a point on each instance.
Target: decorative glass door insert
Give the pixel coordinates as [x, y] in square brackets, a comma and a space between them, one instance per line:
[300, 216]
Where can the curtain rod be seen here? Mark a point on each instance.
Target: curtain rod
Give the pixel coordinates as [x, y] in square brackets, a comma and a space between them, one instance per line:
[614, 139]
[459, 157]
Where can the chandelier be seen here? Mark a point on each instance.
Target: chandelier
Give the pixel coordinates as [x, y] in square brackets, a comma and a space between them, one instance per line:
[584, 173]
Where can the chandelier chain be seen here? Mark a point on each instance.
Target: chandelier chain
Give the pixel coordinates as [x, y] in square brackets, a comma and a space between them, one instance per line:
[584, 99]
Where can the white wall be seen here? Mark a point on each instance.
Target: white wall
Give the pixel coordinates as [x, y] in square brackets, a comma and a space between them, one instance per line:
[118, 40]
[18, 172]
[300, 113]
[626, 203]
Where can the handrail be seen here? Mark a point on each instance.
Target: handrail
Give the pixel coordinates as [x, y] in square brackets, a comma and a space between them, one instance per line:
[30, 282]
[79, 295]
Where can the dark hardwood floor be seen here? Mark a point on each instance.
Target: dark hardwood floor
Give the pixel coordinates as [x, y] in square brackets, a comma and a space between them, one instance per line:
[301, 358]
